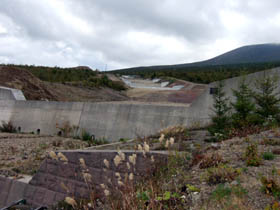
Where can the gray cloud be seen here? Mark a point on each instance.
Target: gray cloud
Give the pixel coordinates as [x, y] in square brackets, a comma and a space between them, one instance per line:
[131, 33]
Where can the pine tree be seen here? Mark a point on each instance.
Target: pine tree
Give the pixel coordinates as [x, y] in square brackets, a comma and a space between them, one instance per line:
[266, 97]
[244, 106]
[221, 109]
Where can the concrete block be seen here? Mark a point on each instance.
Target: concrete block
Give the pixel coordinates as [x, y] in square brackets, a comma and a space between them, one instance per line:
[5, 185]
[11, 94]
[16, 192]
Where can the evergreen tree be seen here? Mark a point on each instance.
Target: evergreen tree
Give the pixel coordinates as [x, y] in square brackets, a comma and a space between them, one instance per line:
[221, 109]
[243, 106]
[267, 98]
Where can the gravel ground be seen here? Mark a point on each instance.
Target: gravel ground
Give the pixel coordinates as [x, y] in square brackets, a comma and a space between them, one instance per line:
[23, 153]
[232, 151]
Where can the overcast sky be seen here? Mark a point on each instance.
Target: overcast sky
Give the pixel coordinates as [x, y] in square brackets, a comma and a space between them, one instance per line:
[127, 33]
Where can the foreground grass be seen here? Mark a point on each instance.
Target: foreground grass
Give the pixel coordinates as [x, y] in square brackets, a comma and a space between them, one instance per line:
[210, 176]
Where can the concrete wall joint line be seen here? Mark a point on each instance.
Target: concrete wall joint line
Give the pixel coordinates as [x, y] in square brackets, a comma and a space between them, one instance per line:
[79, 123]
[8, 193]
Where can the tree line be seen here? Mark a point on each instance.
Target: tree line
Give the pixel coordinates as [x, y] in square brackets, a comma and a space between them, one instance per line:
[198, 74]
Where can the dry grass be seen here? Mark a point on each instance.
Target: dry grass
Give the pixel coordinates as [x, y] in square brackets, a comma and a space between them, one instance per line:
[23, 153]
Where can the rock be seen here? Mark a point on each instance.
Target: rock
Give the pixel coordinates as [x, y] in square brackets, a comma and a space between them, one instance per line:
[215, 146]
[192, 146]
[195, 197]
[234, 183]
[227, 184]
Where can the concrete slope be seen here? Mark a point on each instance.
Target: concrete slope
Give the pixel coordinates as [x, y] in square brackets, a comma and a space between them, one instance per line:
[45, 188]
[11, 94]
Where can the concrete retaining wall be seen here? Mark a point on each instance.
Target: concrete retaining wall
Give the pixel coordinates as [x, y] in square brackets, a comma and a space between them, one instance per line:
[109, 120]
[46, 116]
[118, 120]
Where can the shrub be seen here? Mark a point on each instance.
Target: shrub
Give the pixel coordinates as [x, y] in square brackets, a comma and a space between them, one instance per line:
[222, 192]
[86, 136]
[270, 186]
[268, 156]
[243, 106]
[221, 108]
[196, 158]
[123, 140]
[100, 141]
[8, 127]
[252, 156]
[65, 129]
[267, 99]
[177, 132]
[221, 174]
[269, 141]
[245, 131]
[274, 206]
[276, 151]
[211, 161]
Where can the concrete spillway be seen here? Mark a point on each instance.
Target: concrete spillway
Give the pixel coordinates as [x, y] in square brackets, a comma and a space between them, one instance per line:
[150, 84]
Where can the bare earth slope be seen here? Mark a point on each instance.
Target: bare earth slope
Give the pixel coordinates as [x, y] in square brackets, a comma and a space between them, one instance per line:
[186, 95]
[35, 89]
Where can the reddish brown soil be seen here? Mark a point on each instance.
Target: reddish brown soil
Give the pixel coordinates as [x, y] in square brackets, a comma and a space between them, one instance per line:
[186, 95]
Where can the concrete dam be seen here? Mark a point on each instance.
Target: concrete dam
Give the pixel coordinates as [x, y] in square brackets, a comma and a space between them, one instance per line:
[113, 120]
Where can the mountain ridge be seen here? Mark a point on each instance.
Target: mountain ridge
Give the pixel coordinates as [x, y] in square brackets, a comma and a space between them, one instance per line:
[258, 53]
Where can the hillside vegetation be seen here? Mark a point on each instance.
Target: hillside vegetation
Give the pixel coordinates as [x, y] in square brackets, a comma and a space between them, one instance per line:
[79, 76]
[58, 84]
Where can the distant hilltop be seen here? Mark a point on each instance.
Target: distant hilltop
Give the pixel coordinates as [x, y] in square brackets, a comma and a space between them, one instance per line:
[261, 53]
[82, 68]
